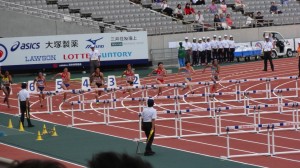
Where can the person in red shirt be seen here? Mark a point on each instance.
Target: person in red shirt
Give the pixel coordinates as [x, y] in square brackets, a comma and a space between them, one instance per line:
[160, 72]
[229, 20]
[188, 10]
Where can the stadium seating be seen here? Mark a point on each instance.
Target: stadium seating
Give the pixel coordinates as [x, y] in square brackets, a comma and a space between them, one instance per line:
[124, 14]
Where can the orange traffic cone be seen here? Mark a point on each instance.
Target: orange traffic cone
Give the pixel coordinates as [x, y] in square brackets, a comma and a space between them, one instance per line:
[39, 136]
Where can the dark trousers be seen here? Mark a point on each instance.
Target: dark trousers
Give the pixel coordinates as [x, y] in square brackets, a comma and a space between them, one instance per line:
[201, 58]
[220, 55]
[231, 54]
[215, 53]
[188, 55]
[208, 56]
[226, 54]
[25, 110]
[147, 126]
[195, 57]
[93, 65]
[267, 56]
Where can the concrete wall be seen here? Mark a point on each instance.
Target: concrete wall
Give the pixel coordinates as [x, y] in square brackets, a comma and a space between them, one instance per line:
[15, 24]
[240, 35]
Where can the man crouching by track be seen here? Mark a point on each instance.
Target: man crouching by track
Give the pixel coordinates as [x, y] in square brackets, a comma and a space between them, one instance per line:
[23, 97]
[148, 125]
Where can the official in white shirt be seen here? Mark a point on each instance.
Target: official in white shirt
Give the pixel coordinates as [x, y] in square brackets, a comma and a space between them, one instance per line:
[231, 48]
[220, 49]
[267, 48]
[188, 49]
[23, 97]
[201, 50]
[149, 116]
[226, 48]
[195, 51]
[94, 57]
[214, 47]
[208, 50]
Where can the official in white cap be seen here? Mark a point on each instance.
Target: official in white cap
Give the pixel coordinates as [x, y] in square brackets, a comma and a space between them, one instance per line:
[225, 44]
[201, 52]
[214, 46]
[208, 50]
[94, 57]
[194, 51]
[267, 48]
[188, 49]
[231, 48]
[220, 49]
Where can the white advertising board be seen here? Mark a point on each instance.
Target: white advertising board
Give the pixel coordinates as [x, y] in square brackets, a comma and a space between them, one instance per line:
[73, 48]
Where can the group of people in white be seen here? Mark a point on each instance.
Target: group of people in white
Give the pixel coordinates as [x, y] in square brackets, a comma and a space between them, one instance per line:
[204, 50]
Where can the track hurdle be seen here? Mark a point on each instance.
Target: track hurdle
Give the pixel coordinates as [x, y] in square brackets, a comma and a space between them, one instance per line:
[270, 139]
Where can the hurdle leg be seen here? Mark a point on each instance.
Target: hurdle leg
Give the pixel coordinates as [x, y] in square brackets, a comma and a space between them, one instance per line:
[50, 104]
[254, 120]
[72, 115]
[296, 87]
[83, 108]
[107, 116]
[273, 143]
[240, 96]
[294, 118]
[79, 97]
[104, 111]
[19, 109]
[140, 126]
[228, 144]
[297, 119]
[258, 120]
[176, 124]
[214, 107]
[220, 125]
[269, 143]
[180, 125]
[47, 101]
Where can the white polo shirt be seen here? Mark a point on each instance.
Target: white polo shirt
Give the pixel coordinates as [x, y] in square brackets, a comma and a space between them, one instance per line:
[220, 44]
[201, 46]
[225, 43]
[231, 44]
[94, 55]
[194, 47]
[187, 45]
[208, 46]
[23, 95]
[214, 44]
[148, 114]
[267, 46]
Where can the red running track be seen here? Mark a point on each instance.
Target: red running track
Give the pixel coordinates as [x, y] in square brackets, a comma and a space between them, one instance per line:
[214, 146]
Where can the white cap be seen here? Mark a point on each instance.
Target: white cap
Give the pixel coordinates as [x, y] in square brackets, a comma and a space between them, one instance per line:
[200, 38]
[215, 35]
[186, 38]
[230, 36]
[225, 35]
[266, 36]
[220, 37]
[207, 37]
[203, 37]
[194, 38]
[92, 46]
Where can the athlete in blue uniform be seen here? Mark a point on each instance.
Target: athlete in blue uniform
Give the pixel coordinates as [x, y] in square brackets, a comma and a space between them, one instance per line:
[188, 71]
[40, 81]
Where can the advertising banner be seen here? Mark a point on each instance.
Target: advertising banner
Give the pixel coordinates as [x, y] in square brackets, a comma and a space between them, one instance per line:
[72, 50]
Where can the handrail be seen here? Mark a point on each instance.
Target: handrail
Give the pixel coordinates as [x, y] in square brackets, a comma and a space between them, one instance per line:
[96, 24]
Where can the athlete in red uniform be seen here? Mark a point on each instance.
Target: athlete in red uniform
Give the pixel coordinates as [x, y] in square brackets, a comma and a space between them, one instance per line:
[160, 72]
[65, 76]
[129, 76]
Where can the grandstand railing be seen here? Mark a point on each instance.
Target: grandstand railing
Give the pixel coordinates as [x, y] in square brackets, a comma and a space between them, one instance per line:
[63, 17]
